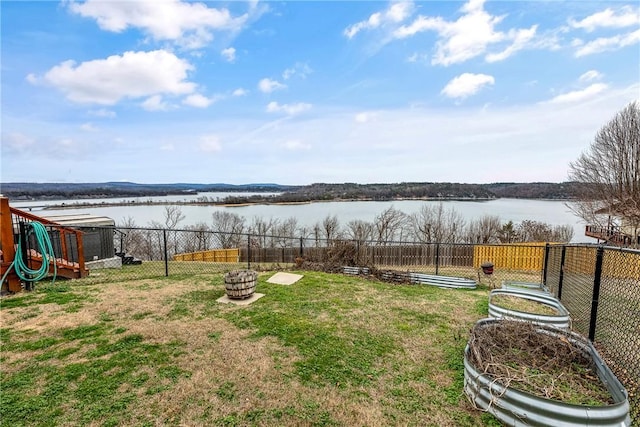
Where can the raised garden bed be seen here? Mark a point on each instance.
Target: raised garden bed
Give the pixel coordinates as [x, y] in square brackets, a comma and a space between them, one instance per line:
[526, 306]
[526, 287]
[512, 302]
[527, 374]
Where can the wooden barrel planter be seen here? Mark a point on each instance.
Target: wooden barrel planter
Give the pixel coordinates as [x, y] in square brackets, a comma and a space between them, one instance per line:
[514, 406]
[240, 284]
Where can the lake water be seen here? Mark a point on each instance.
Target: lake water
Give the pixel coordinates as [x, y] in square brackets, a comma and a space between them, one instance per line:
[516, 210]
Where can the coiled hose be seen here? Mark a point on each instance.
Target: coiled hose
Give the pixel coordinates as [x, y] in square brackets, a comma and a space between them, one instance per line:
[43, 246]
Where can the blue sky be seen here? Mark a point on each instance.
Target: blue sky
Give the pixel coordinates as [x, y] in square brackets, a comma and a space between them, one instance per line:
[297, 92]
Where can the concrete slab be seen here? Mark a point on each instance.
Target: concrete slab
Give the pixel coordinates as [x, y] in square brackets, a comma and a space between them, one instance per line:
[115, 262]
[253, 298]
[284, 278]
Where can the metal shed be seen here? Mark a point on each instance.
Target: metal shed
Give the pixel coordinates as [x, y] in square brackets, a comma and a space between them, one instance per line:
[98, 233]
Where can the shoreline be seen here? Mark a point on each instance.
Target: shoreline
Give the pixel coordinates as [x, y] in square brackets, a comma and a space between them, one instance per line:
[84, 205]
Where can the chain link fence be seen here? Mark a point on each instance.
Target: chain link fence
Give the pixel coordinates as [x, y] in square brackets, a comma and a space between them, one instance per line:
[600, 286]
[149, 252]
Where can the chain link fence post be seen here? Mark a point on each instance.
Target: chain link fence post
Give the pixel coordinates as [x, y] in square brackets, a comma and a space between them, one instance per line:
[561, 274]
[301, 247]
[166, 258]
[597, 279]
[545, 264]
[437, 257]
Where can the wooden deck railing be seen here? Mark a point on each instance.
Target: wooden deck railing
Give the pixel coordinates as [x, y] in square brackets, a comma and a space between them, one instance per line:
[68, 248]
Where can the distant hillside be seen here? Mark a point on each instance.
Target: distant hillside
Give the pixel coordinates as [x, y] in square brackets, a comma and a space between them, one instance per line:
[534, 190]
[404, 190]
[53, 191]
[306, 193]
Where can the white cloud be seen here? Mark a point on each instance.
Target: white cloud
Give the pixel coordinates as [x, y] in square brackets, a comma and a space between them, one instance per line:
[296, 145]
[199, 101]
[579, 95]
[155, 103]
[521, 39]
[290, 109]
[604, 44]
[267, 85]
[66, 142]
[364, 117]
[240, 92]
[470, 35]
[625, 17]
[167, 147]
[17, 141]
[103, 112]
[300, 69]
[130, 75]
[466, 84]
[229, 54]
[590, 76]
[33, 79]
[88, 127]
[190, 25]
[395, 13]
[210, 143]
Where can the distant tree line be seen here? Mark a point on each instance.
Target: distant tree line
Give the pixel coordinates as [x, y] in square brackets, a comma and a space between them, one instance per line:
[431, 224]
[296, 194]
[54, 191]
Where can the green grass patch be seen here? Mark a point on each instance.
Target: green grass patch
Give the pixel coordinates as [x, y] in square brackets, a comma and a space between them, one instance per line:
[33, 395]
[333, 352]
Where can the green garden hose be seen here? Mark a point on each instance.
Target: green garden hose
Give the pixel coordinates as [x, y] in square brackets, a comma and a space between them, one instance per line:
[43, 246]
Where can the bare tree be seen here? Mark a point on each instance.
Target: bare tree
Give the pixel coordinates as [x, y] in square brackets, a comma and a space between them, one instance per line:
[229, 228]
[485, 229]
[388, 224]
[286, 232]
[536, 231]
[261, 228]
[330, 227]
[172, 216]
[437, 224]
[359, 230]
[562, 233]
[609, 172]
[125, 240]
[199, 239]
[154, 243]
[507, 233]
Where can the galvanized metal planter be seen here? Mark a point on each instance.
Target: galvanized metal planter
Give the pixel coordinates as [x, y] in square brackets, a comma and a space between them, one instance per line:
[517, 408]
[442, 281]
[417, 278]
[525, 286]
[428, 279]
[355, 270]
[561, 320]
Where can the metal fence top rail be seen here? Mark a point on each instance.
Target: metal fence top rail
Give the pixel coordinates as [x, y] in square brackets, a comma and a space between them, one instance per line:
[595, 245]
[371, 242]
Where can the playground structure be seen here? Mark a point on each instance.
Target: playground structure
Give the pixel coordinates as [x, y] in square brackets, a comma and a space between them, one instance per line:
[66, 243]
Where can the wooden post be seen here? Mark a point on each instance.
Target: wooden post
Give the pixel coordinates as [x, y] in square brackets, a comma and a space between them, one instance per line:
[7, 244]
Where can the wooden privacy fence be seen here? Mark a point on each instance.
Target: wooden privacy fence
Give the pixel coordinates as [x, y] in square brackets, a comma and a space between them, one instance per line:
[511, 257]
[213, 255]
[616, 264]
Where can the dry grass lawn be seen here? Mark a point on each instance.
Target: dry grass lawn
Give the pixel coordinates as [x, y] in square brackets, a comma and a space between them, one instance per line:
[328, 350]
